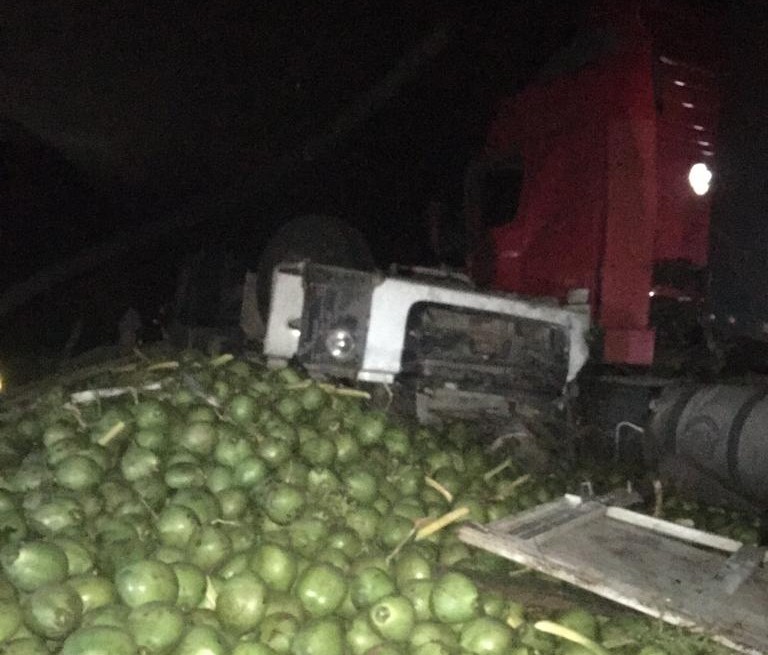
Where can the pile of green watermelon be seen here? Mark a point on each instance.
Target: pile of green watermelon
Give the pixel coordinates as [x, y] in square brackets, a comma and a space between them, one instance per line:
[210, 507]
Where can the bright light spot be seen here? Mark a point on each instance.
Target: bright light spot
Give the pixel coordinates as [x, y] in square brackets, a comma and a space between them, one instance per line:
[340, 344]
[698, 128]
[687, 105]
[679, 83]
[707, 153]
[651, 293]
[699, 178]
[704, 143]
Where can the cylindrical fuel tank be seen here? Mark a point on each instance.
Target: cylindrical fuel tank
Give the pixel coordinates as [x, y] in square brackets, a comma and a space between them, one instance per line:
[720, 429]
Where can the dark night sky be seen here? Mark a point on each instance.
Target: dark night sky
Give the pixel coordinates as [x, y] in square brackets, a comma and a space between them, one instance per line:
[183, 95]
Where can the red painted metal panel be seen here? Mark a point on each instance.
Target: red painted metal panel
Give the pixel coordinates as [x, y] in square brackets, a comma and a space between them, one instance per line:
[628, 346]
[553, 243]
[606, 154]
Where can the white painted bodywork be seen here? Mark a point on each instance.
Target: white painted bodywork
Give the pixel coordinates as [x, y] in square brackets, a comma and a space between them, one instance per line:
[391, 303]
[282, 340]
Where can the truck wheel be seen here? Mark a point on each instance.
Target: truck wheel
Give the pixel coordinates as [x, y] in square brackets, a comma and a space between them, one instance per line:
[320, 239]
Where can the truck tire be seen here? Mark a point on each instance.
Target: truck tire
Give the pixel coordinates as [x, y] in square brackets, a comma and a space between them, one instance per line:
[317, 238]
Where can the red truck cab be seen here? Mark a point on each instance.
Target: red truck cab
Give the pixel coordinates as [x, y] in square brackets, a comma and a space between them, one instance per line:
[583, 183]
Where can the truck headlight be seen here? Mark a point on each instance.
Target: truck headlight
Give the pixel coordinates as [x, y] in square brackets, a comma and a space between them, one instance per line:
[340, 344]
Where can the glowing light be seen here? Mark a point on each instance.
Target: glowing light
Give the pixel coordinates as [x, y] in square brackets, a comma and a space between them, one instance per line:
[704, 143]
[651, 293]
[700, 177]
[687, 105]
[679, 83]
[698, 128]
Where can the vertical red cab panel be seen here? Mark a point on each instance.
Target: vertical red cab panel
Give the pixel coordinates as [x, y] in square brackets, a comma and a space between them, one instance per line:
[605, 193]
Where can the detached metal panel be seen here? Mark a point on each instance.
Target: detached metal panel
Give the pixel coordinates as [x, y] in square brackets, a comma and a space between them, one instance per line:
[684, 576]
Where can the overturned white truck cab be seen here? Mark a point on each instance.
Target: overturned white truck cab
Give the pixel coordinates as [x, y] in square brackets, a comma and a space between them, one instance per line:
[459, 350]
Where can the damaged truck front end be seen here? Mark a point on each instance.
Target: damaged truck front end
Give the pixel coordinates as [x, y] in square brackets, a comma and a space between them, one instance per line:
[455, 350]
